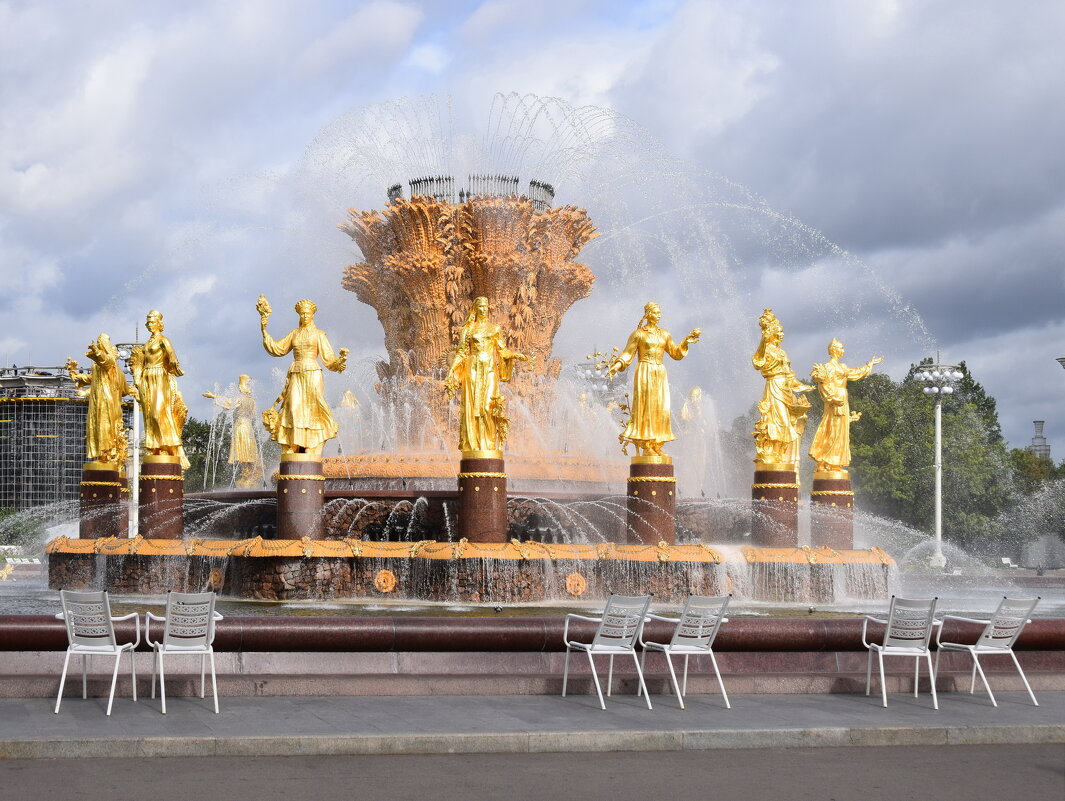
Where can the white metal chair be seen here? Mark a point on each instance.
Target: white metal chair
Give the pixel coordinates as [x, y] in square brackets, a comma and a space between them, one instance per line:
[91, 631]
[998, 637]
[909, 629]
[619, 628]
[189, 629]
[696, 630]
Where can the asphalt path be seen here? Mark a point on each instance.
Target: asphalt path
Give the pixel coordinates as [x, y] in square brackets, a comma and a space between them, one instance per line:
[895, 773]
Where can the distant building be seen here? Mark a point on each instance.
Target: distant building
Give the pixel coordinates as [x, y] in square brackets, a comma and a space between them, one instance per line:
[1039, 445]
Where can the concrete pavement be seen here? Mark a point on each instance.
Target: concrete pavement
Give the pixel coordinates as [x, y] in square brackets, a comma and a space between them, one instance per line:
[285, 726]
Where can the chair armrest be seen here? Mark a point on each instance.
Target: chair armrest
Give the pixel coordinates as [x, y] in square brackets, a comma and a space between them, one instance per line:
[60, 616]
[965, 619]
[865, 628]
[148, 618]
[724, 620]
[136, 624]
[571, 615]
[218, 617]
[652, 616]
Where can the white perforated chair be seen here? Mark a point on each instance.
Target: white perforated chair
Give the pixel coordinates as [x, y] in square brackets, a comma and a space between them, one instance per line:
[91, 632]
[619, 628]
[909, 629]
[188, 630]
[998, 637]
[696, 630]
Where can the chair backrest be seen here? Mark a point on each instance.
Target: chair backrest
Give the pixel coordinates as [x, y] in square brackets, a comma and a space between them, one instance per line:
[189, 618]
[699, 620]
[910, 622]
[1005, 625]
[88, 618]
[622, 620]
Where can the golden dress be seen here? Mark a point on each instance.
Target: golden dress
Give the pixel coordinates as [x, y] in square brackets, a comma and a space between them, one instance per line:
[105, 431]
[649, 416]
[832, 442]
[161, 401]
[305, 418]
[482, 361]
[242, 446]
[779, 408]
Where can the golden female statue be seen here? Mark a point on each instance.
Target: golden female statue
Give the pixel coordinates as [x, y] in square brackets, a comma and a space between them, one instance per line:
[831, 447]
[105, 431]
[480, 363]
[778, 432]
[304, 422]
[649, 425]
[243, 449]
[155, 370]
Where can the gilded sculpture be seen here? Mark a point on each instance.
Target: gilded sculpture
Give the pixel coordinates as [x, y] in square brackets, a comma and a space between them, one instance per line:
[649, 425]
[480, 363]
[831, 448]
[782, 410]
[303, 421]
[105, 385]
[155, 371]
[243, 447]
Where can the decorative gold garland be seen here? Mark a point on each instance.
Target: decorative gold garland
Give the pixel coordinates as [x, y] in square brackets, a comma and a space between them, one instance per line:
[774, 486]
[482, 475]
[100, 484]
[291, 477]
[662, 479]
[153, 477]
[832, 492]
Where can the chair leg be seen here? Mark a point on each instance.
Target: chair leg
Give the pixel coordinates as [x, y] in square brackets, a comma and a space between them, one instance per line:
[935, 670]
[114, 681]
[935, 698]
[610, 676]
[133, 673]
[162, 680]
[983, 678]
[883, 684]
[643, 667]
[684, 685]
[673, 676]
[214, 683]
[565, 673]
[595, 678]
[155, 668]
[868, 671]
[203, 660]
[917, 672]
[720, 683]
[972, 678]
[62, 681]
[84, 680]
[646, 695]
[1024, 678]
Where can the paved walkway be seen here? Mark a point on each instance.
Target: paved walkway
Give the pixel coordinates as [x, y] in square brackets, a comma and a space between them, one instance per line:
[513, 724]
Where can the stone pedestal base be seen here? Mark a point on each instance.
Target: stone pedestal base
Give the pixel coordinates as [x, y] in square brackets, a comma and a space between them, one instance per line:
[832, 511]
[482, 506]
[651, 500]
[162, 491]
[300, 497]
[775, 492]
[102, 492]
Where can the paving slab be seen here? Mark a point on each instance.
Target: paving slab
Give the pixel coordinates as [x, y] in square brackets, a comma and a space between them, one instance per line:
[513, 724]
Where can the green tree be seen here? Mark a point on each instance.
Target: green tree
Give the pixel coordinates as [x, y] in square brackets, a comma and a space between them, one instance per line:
[201, 451]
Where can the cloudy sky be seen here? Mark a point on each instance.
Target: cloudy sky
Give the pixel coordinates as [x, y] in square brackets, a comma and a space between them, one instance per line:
[891, 173]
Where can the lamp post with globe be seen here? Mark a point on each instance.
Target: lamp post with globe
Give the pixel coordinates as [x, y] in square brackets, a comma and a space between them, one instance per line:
[939, 380]
[125, 350]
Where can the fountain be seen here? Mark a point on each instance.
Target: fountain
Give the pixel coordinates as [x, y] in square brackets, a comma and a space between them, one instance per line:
[385, 523]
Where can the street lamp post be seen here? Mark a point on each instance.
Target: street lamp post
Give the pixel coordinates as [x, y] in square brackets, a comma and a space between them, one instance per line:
[125, 350]
[939, 380]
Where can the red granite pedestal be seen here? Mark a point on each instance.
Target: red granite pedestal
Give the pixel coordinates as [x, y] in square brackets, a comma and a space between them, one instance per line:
[651, 492]
[775, 492]
[300, 497]
[482, 504]
[162, 491]
[101, 494]
[832, 510]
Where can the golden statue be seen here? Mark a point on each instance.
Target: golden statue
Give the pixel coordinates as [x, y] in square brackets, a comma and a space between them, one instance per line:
[155, 370]
[778, 432]
[649, 424]
[831, 448]
[105, 431]
[304, 422]
[243, 449]
[480, 363]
